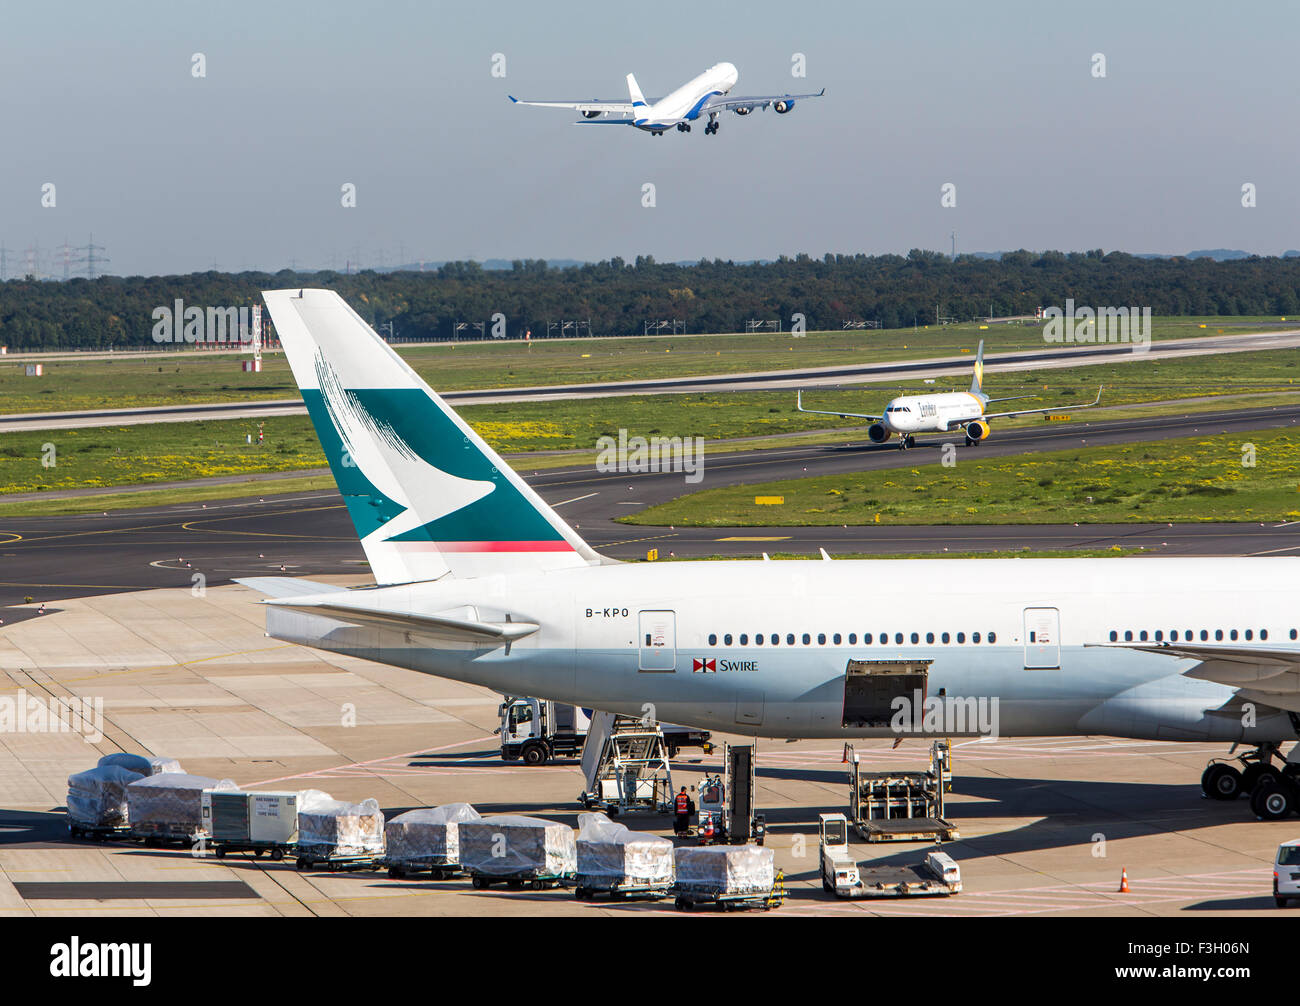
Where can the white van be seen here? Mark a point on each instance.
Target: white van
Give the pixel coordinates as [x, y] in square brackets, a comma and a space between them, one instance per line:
[1286, 873]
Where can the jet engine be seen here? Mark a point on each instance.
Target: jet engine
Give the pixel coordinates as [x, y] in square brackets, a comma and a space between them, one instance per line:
[977, 431]
[783, 106]
[591, 113]
[878, 433]
[743, 110]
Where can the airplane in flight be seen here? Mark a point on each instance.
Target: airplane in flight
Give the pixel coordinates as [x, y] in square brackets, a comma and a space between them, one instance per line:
[941, 412]
[479, 580]
[705, 95]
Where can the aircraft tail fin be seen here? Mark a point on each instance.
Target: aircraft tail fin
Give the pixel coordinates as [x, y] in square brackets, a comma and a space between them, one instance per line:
[426, 495]
[977, 380]
[638, 99]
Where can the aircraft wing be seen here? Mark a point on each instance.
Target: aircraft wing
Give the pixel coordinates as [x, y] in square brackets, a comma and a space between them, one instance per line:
[1266, 677]
[843, 415]
[595, 106]
[1034, 412]
[725, 102]
[460, 626]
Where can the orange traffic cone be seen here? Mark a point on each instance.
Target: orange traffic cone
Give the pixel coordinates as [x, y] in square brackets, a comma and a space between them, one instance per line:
[1123, 881]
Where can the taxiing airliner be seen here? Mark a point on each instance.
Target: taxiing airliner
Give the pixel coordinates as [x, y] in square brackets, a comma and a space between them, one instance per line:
[706, 95]
[479, 580]
[941, 412]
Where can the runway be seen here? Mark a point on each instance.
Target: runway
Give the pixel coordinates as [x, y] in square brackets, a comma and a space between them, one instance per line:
[1076, 355]
[307, 534]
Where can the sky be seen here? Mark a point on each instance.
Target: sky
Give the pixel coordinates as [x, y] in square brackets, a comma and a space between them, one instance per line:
[243, 168]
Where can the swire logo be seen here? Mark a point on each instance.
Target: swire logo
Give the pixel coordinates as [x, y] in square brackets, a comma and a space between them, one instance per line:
[706, 666]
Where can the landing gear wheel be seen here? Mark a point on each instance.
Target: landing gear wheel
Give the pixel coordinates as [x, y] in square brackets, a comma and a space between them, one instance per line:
[1221, 782]
[1273, 803]
[1266, 778]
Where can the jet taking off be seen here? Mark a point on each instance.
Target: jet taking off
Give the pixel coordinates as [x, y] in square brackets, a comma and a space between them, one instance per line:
[941, 412]
[708, 94]
[479, 580]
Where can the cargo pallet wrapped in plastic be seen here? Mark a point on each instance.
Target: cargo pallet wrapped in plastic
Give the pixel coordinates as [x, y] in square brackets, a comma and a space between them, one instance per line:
[619, 862]
[518, 850]
[730, 876]
[337, 834]
[426, 839]
[141, 764]
[169, 807]
[97, 804]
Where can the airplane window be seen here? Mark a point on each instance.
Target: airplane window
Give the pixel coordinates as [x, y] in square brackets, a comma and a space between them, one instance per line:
[961, 637]
[929, 637]
[821, 639]
[1033, 636]
[974, 637]
[1188, 635]
[944, 637]
[836, 639]
[713, 639]
[915, 638]
[1173, 635]
[1250, 634]
[1143, 635]
[744, 639]
[853, 639]
[898, 638]
[758, 639]
[1294, 633]
[1218, 635]
[993, 637]
[776, 639]
[1263, 633]
[866, 638]
[1204, 635]
[1232, 634]
[727, 639]
[806, 639]
[1114, 636]
[789, 639]
[1128, 635]
[1159, 636]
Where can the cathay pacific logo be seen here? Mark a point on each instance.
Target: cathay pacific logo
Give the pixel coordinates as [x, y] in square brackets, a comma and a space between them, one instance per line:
[397, 472]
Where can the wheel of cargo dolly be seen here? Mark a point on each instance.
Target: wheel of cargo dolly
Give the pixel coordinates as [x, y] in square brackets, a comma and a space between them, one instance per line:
[394, 873]
[536, 885]
[277, 855]
[478, 882]
[682, 905]
[300, 863]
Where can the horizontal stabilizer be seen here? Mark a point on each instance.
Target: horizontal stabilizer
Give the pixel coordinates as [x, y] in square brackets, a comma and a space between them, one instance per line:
[443, 626]
[286, 586]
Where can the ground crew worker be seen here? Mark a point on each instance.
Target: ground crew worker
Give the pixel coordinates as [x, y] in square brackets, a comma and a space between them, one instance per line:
[682, 812]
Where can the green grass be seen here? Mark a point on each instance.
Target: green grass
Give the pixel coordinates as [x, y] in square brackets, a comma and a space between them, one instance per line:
[1186, 479]
[168, 452]
[131, 380]
[163, 497]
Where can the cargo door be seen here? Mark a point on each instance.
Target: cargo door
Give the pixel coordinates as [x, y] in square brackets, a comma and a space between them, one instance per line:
[872, 686]
[658, 641]
[1042, 637]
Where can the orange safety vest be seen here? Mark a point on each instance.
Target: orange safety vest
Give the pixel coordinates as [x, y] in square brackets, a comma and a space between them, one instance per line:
[683, 803]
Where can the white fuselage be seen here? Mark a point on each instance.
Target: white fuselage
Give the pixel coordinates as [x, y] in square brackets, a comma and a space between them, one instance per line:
[763, 648]
[936, 413]
[683, 104]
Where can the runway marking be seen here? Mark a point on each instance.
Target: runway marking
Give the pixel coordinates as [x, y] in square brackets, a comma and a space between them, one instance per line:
[576, 499]
[784, 537]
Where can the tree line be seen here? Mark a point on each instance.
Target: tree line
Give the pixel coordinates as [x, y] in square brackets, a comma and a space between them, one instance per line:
[618, 298]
